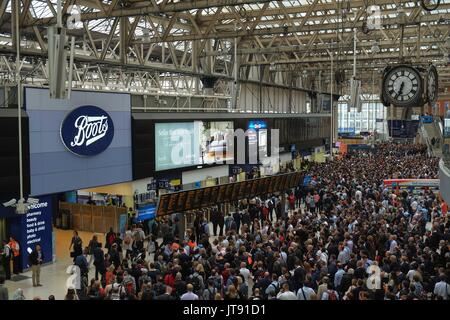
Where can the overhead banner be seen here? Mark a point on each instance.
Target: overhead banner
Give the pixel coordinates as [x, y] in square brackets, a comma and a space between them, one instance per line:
[32, 228]
[408, 183]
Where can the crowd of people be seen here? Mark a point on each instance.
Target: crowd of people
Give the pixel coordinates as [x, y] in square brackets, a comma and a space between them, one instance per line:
[342, 236]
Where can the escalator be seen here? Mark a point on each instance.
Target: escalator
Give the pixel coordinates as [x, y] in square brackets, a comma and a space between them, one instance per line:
[430, 133]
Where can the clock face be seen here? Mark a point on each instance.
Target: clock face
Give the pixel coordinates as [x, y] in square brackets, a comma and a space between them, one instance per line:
[432, 84]
[402, 86]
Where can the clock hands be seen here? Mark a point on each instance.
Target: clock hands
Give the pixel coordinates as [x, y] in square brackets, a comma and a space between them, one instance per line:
[401, 90]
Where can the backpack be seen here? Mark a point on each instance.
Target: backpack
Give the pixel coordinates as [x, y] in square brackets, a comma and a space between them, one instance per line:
[332, 295]
[195, 281]
[276, 287]
[211, 293]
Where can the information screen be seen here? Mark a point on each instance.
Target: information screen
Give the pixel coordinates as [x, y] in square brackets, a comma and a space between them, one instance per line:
[213, 196]
[181, 201]
[198, 199]
[173, 202]
[206, 196]
[163, 204]
[228, 193]
[189, 200]
[221, 195]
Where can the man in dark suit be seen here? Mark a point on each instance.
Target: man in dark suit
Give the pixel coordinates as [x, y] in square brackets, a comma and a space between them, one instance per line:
[35, 259]
[167, 295]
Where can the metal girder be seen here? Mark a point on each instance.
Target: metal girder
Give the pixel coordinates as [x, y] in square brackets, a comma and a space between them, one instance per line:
[222, 34]
[142, 11]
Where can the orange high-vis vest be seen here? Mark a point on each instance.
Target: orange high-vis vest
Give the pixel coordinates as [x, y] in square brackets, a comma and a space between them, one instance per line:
[14, 247]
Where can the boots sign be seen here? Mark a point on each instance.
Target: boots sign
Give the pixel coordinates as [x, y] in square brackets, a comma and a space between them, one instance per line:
[87, 131]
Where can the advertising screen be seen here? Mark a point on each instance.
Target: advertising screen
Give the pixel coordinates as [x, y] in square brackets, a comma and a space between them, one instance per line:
[184, 144]
[175, 145]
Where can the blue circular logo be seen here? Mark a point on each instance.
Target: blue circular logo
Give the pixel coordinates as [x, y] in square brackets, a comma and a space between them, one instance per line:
[87, 131]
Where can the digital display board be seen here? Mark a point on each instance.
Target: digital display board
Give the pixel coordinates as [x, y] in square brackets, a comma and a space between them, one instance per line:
[235, 193]
[181, 201]
[221, 194]
[242, 190]
[228, 193]
[163, 204]
[254, 188]
[183, 144]
[198, 199]
[173, 201]
[213, 196]
[206, 196]
[270, 184]
[189, 200]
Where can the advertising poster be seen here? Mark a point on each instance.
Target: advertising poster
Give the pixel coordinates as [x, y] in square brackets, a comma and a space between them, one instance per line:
[34, 227]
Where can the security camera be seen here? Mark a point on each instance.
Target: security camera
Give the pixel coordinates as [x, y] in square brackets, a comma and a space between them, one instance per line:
[10, 203]
[32, 201]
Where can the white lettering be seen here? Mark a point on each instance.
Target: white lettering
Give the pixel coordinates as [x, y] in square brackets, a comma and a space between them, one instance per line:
[90, 129]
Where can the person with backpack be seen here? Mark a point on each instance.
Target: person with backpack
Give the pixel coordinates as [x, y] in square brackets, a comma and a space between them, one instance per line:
[273, 288]
[305, 292]
[210, 292]
[196, 280]
[330, 294]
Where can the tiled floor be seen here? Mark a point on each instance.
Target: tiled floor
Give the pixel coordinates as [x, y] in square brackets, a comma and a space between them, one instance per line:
[53, 276]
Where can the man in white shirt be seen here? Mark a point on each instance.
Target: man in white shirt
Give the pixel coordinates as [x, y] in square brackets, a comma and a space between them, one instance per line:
[189, 295]
[304, 293]
[442, 288]
[285, 293]
[244, 272]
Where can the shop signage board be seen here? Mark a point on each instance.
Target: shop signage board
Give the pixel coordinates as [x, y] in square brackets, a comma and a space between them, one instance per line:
[205, 197]
[34, 227]
[87, 131]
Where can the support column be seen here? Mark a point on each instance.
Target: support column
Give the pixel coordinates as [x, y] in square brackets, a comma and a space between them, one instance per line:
[123, 39]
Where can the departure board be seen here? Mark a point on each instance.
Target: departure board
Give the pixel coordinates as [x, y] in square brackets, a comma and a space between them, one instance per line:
[163, 203]
[235, 193]
[213, 196]
[254, 187]
[173, 201]
[189, 200]
[228, 192]
[221, 193]
[206, 196]
[270, 184]
[242, 190]
[181, 201]
[198, 198]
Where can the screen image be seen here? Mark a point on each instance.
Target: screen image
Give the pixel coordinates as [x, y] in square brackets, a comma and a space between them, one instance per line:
[189, 200]
[213, 141]
[181, 201]
[172, 206]
[146, 212]
[213, 196]
[174, 145]
[163, 203]
[184, 144]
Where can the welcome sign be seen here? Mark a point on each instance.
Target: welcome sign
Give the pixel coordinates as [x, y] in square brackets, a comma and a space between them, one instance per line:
[87, 131]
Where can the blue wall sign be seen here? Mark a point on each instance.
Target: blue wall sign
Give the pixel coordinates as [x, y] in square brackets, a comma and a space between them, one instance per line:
[257, 124]
[146, 212]
[34, 227]
[87, 131]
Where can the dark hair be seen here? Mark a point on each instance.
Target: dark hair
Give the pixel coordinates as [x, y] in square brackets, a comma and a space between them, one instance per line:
[51, 297]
